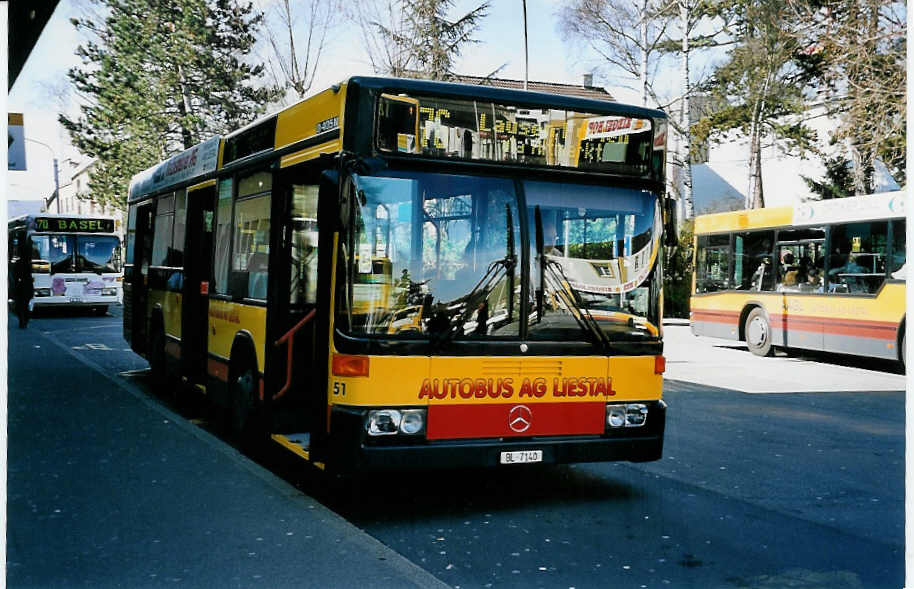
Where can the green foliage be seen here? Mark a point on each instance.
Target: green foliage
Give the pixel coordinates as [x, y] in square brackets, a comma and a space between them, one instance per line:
[427, 42]
[158, 77]
[677, 278]
[838, 182]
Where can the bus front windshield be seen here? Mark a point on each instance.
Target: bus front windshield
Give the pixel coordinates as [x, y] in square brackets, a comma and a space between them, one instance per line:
[98, 253]
[78, 253]
[439, 256]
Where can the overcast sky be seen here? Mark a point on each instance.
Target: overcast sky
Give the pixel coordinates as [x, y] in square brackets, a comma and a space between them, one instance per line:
[42, 88]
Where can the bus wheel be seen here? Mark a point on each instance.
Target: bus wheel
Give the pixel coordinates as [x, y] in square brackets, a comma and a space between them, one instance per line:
[758, 333]
[245, 406]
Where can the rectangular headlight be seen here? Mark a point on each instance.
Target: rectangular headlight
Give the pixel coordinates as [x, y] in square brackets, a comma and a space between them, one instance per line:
[412, 421]
[630, 415]
[383, 422]
[635, 414]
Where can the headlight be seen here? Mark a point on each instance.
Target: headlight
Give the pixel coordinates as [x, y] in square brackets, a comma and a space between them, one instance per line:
[383, 422]
[42, 292]
[635, 415]
[630, 415]
[109, 292]
[412, 421]
[615, 415]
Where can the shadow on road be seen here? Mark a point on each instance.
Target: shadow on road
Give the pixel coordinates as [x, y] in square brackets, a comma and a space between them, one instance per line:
[863, 362]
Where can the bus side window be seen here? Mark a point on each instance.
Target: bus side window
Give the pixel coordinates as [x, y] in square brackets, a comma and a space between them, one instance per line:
[222, 238]
[752, 265]
[858, 257]
[303, 258]
[251, 241]
[897, 265]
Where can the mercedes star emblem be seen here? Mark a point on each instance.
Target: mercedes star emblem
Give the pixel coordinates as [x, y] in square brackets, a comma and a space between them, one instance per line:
[520, 418]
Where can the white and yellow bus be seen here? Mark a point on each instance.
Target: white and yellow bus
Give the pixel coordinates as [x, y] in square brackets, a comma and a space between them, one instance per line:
[825, 275]
[392, 274]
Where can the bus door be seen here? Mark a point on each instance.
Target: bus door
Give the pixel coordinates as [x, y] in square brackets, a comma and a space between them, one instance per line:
[197, 275]
[292, 306]
[139, 282]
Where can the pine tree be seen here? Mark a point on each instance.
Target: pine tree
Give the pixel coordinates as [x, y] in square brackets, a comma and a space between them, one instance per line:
[838, 181]
[420, 41]
[158, 77]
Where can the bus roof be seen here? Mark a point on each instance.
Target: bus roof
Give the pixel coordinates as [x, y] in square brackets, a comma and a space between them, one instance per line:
[202, 160]
[885, 205]
[510, 95]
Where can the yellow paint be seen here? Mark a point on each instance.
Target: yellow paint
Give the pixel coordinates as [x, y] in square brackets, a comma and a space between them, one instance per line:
[889, 306]
[743, 220]
[301, 120]
[170, 303]
[227, 318]
[291, 446]
[202, 185]
[310, 153]
[397, 380]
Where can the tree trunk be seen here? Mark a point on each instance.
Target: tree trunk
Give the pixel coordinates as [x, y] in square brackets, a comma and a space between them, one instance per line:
[685, 115]
[187, 134]
[643, 65]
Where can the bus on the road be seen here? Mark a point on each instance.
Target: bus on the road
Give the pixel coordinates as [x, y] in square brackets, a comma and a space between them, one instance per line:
[76, 261]
[401, 274]
[825, 275]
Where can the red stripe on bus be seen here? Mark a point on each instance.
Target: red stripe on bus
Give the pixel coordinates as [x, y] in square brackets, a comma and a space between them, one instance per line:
[449, 422]
[859, 328]
[716, 316]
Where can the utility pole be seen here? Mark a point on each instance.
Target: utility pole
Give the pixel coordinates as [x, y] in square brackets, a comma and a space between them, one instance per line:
[526, 53]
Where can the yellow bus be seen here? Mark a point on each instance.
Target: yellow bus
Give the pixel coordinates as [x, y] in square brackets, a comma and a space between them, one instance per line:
[392, 274]
[825, 275]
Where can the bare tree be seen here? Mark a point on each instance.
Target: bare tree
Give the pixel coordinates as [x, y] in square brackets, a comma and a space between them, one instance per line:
[384, 28]
[626, 35]
[297, 34]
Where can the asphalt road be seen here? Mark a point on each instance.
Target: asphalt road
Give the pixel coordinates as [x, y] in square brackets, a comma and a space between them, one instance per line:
[764, 491]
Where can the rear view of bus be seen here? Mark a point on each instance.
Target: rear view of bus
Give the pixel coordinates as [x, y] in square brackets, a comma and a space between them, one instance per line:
[75, 261]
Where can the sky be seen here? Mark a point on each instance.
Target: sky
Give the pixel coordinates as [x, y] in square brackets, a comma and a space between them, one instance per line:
[39, 87]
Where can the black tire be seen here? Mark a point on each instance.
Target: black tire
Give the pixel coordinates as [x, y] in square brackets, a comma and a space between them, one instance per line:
[101, 311]
[245, 407]
[758, 333]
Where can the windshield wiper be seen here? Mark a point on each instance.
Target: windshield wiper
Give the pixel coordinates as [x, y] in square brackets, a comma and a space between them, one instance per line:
[563, 289]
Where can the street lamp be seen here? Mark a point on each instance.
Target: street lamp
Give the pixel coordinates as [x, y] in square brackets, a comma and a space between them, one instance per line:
[56, 195]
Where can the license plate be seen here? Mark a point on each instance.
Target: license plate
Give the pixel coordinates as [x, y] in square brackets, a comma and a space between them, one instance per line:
[76, 299]
[522, 457]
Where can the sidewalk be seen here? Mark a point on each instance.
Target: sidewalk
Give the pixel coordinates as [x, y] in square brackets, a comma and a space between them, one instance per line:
[729, 364]
[107, 488]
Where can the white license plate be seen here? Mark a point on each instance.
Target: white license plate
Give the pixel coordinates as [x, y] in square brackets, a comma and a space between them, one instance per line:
[522, 457]
[76, 299]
